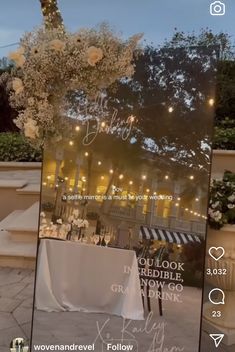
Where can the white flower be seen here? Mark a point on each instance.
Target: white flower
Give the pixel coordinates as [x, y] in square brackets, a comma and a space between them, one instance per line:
[70, 218]
[215, 205]
[217, 215]
[42, 214]
[76, 213]
[94, 55]
[59, 221]
[17, 85]
[231, 198]
[35, 50]
[31, 101]
[18, 57]
[44, 221]
[77, 38]
[57, 45]
[31, 129]
[231, 206]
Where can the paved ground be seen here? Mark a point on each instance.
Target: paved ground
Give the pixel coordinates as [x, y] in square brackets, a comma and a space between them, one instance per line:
[16, 295]
[181, 330]
[16, 291]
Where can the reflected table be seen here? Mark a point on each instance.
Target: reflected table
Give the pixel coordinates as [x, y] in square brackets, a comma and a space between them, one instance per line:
[73, 276]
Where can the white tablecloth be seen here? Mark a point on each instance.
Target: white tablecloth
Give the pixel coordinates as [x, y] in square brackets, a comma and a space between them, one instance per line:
[78, 277]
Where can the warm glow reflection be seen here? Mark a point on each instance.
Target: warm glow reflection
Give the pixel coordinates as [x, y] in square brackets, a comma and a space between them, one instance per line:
[211, 102]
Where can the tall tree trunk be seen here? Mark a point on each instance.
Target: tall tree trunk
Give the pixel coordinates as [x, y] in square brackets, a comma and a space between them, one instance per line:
[51, 14]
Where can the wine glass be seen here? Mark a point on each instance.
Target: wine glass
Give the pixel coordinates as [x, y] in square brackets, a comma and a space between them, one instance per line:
[101, 236]
[107, 239]
[96, 239]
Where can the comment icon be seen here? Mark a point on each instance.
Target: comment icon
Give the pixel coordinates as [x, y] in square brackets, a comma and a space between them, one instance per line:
[220, 299]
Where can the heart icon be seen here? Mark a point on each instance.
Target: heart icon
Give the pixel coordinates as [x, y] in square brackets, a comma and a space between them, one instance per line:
[216, 252]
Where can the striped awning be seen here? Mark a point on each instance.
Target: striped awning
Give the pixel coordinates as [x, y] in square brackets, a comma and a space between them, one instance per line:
[167, 235]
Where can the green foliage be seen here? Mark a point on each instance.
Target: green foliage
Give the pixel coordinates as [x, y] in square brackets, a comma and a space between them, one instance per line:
[48, 206]
[224, 135]
[14, 147]
[224, 138]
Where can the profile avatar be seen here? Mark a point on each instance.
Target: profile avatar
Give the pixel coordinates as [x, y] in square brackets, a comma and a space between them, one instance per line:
[19, 345]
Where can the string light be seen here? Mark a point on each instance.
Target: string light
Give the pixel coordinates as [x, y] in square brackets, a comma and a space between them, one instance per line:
[111, 171]
[147, 190]
[191, 177]
[99, 163]
[71, 143]
[211, 102]
[176, 204]
[166, 177]
[102, 177]
[77, 128]
[48, 177]
[131, 118]
[103, 124]
[170, 109]
[44, 183]
[179, 198]
[66, 178]
[130, 183]
[121, 177]
[144, 177]
[197, 199]
[86, 154]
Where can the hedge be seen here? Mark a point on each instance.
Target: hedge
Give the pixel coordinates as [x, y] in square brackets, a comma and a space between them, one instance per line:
[14, 147]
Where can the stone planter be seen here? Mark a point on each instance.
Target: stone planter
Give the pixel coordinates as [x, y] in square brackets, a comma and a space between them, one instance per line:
[225, 238]
[19, 165]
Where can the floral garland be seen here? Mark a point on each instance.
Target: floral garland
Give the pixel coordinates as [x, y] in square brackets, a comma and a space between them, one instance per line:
[222, 202]
[50, 64]
[60, 229]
